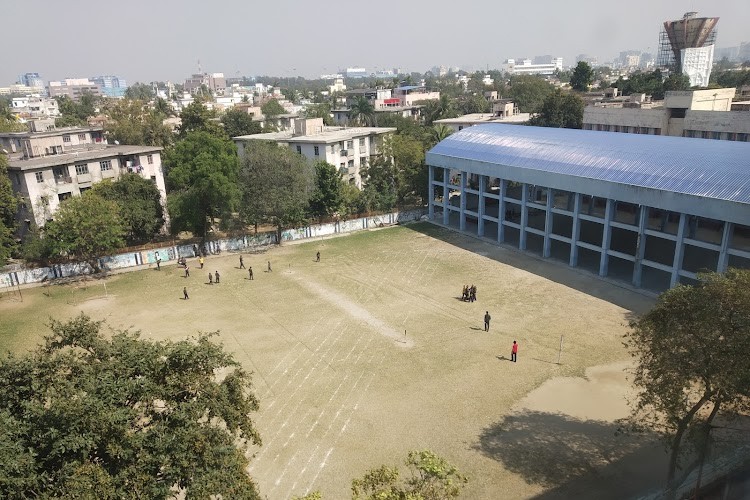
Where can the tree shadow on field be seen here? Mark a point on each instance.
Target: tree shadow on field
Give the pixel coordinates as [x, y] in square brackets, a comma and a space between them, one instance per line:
[612, 291]
[575, 458]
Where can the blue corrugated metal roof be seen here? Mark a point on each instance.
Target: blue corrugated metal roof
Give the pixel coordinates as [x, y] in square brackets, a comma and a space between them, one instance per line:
[409, 87]
[700, 167]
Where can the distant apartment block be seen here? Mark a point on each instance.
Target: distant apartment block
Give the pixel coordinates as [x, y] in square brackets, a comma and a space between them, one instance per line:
[215, 82]
[705, 114]
[74, 88]
[526, 67]
[110, 85]
[31, 80]
[409, 95]
[356, 73]
[503, 111]
[48, 167]
[33, 106]
[384, 100]
[349, 149]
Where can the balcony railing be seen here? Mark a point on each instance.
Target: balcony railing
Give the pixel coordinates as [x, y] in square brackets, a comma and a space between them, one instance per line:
[63, 179]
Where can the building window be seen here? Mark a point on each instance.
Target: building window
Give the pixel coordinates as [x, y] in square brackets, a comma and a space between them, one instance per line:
[39, 176]
[63, 196]
[362, 161]
[81, 137]
[351, 163]
[716, 135]
[317, 150]
[82, 168]
[361, 143]
[299, 149]
[333, 148]
[742, 137]
[105, 165]
[150, 159]
[349, 144]
[66, 138]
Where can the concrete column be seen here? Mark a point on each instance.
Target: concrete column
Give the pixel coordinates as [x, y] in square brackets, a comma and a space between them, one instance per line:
[501, 211]
[446, 195]
[575, 233]
[640, 246]
[606, 238]
[462, 212]
[431, 192]
[679, 251]
[548, 225]
[726, 240]
[524, 216]
[480, 208]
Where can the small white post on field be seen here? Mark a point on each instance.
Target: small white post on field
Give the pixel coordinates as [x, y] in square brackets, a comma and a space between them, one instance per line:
[559, 353]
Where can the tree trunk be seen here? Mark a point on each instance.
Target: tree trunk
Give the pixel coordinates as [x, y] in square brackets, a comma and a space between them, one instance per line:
[677, 443]
[704, 448]
[278, 235]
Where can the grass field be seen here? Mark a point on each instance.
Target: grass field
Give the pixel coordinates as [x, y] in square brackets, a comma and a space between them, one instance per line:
[371, 353]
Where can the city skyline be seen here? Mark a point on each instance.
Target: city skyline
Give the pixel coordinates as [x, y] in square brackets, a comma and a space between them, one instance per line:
[165, 41]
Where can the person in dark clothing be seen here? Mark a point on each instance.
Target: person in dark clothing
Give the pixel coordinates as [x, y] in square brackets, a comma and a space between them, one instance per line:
[184, 293]
[187, 271]
[242, 263]
[269, 267]
[317, 257]
[210, 279]
[216, 274]
[487, 319]
[250, 272]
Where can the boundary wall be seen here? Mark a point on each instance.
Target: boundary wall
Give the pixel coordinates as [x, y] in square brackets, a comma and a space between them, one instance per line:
[21, 276]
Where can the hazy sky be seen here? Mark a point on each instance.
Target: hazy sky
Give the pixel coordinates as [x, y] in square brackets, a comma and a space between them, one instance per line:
[163, 39]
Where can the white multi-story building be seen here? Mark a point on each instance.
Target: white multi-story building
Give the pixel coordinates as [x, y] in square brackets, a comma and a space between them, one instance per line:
[503, 111]
[349, 149]
[46, 168]
[34, 106]
[525, 67]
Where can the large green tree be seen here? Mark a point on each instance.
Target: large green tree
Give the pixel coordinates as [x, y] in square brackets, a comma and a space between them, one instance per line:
[133, 122]
[76, 113]
[237, 122]
[328, 196]
[196, 117]
[277, 185]
[140, 91]
[140, 206]
[86, 227]
[8, 208]
[95, 415]
[320, 110]
[560, 109]
[437, 109]
[529, 92]
[431, 478]
[272, 108]
[691, 362]
[202, 179]
[582, 77]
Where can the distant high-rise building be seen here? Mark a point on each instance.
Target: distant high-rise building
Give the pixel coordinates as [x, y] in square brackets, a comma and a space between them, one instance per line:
[591, 60]
[356, 73]
[215, 82]
[687, 46]
[111, 86]
[743, 54]
[545, 59]
[74, 88]
[31, 80]
[525, 67]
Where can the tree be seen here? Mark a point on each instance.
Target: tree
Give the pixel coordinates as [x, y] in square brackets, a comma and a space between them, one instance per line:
[437, 109]
[132, 122]
[8, 208]
[88, 415]
[432, 478]
[362, 111]
[321, 110]
[473, 104]
[582, 77]
[691, 361]
[562, 110]
[237, 122]
[85, 228]
[272, 108]
[76, 113]
[676, 81]
[529, 92]
[202, 178]
[140, 206]
[140, 91]
[277, 185]
[196, 117]
[440, 132]
[328, 197]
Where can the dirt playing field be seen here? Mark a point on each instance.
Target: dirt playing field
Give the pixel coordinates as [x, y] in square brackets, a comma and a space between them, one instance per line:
[370, 353]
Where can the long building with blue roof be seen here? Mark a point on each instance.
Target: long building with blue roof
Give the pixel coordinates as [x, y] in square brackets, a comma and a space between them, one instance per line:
[651, 210]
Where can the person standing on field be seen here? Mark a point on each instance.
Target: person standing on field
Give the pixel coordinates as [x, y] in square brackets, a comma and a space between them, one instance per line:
[250, 272]
[242, 263]
[200, 260]
[187, 271]
[317, 257]
[513, 351]
[487, 319]
[216, 274]
[269, 267]
[184, 293]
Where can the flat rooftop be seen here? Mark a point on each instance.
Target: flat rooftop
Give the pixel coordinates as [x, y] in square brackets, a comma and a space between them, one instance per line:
[101, 152]
[476, 118]
[328, 136]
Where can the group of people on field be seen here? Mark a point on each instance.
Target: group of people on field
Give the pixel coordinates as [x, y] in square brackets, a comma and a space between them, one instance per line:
[469, 293]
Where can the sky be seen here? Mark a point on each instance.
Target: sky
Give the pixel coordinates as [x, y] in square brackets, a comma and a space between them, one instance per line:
[160, 40]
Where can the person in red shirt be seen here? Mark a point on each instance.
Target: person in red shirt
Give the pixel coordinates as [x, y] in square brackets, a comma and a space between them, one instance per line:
[514, 351]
